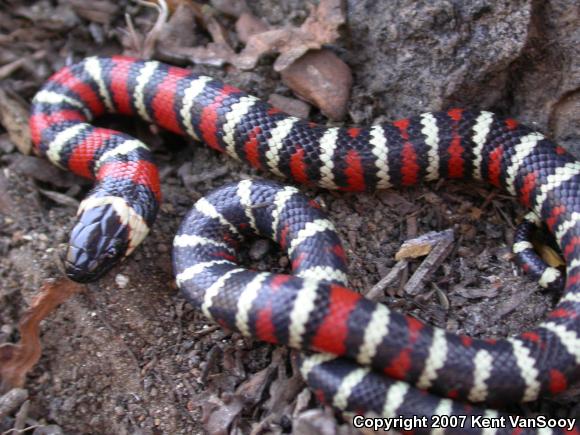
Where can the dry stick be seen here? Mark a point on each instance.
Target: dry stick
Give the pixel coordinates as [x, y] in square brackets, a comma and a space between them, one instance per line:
[148, 46]
[439, 253]
[378, 290]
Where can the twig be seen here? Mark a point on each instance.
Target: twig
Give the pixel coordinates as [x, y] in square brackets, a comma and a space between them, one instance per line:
[151, 38]
[203, 332]
[7, 69]
[378, 290]
[133, 35]
[26, 429]
[431, 263]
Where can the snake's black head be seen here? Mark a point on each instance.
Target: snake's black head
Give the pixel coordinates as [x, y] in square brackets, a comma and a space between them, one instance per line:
[104, 233]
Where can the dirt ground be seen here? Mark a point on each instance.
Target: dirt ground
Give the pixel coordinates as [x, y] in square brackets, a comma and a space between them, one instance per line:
[128, 355]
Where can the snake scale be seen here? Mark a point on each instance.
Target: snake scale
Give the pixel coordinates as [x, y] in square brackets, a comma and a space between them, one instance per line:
[367, 358]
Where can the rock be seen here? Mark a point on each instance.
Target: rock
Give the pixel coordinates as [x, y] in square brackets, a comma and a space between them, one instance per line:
[519, 58]
[315, 422]
[121, 280]
[323, 79]
[43, 170]
[6, 146]
[291, 106]
[546, 77]
[458, 50]
[97, 11]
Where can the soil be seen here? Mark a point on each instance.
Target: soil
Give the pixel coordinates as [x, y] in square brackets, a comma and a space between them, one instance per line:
[128, 355]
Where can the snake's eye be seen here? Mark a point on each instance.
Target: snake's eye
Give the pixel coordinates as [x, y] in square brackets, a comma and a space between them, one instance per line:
[112, 252]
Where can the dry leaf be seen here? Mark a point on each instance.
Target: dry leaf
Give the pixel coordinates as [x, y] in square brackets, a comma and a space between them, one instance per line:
[548, 254]
[14, 118]
[320, 28]
[248, 25]
[16, 360]
[97, 11]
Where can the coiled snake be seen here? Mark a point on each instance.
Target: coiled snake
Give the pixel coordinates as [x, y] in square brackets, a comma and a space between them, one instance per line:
[313, 309]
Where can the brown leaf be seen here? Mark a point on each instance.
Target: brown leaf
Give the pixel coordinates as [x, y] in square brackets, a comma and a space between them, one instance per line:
[287, 386]
[549, 255]
[219, 414]
[320, 28]
[16, 360]
[14, 118]
[248, 25]
[175, 40]
[98, 11]
[252, 389]
[42, 170]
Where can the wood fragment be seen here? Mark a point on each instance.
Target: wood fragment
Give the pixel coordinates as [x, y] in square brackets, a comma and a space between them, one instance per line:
[378, 290]
[422, 245]
[435, 258]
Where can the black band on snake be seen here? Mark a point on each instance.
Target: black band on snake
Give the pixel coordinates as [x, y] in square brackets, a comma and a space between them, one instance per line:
[413, 364]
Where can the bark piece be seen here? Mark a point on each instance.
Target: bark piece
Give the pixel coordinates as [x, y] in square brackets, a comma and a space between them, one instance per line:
[437, 255]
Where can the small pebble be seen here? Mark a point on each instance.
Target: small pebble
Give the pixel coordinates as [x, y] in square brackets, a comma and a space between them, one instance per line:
[121, 280]
[323, 79]
[7, 329]
[291, 106]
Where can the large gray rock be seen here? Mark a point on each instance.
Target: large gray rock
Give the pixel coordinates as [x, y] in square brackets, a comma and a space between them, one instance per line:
[519, 58]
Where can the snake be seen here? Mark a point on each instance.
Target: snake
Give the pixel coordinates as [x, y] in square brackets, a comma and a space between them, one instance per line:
[358, 355]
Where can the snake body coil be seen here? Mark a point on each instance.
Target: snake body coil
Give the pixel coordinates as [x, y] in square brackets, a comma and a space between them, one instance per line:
[313, 310]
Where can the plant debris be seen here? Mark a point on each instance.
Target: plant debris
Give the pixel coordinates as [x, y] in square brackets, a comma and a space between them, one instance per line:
[422, 245]
[16, 360]
[320, 28]
[437, 254]
[14, 118]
